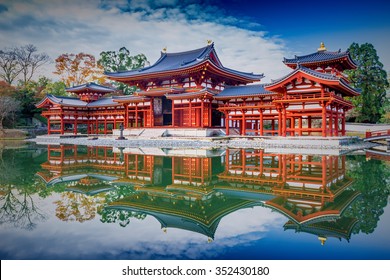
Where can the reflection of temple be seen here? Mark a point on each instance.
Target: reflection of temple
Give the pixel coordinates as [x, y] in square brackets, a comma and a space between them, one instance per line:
[311, 191]
[195, 193]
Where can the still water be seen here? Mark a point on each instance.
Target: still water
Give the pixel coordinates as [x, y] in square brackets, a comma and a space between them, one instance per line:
[77, 202]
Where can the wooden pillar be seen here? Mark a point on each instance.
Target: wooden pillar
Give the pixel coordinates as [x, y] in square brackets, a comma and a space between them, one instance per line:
[323, 119]
[227, 122]
[331, 121]
[136, 114]
[210, 112]
[284, 122]
[343, 123]
[243, 123]
[337, 121]
[300, 126]
[280, 122]
[173, 113]
[201, 113]
[62, 124]
[97, 125]
[48, 125]
[261, 123]
[105, 124]
[126, 116]
[151, 112]
[273, 127]
[75, 125]
[190, 112]
[309, 124]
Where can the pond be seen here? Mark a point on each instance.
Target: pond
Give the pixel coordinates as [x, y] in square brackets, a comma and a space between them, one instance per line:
[78, 202]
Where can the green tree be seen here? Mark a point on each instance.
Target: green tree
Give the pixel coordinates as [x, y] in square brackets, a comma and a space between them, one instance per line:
[113, 61]
[371, 79]
[8, 104]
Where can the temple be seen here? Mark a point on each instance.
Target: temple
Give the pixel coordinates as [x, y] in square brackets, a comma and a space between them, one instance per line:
[193, 90]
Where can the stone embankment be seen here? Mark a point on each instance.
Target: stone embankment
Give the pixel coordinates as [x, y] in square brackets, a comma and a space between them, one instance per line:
[288, 144]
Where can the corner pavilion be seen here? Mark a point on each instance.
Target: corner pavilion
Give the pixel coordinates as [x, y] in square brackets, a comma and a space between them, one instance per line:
[193, 90]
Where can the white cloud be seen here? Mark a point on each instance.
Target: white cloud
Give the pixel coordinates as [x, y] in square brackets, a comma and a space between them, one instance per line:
[57, 27]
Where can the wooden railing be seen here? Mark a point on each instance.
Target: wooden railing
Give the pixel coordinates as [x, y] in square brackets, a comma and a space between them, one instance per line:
[370, 134]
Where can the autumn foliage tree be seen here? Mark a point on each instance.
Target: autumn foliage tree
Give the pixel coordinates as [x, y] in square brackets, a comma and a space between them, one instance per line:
[76, 69]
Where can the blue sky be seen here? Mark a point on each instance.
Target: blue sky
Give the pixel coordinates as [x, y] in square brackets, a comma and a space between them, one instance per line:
[251, 36]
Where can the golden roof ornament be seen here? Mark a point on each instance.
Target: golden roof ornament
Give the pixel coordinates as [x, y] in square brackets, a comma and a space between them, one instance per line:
[209, 42]
[322, 47]
[164, 50]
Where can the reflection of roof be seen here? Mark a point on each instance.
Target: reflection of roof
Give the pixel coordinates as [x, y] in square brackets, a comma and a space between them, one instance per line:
[320, 57]
[243, 91]
[90, 87]
[203, 217]
[341, 228]
[329, 212]
[181, 61]
[69, 178]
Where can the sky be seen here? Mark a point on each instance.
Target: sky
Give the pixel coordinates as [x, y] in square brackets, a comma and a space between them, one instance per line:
[249, 36]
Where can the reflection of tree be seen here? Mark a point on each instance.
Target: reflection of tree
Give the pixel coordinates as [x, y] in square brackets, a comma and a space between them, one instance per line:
[76, 207]
[17, 186]
[112, 215]
[19, 209]
[372, 180]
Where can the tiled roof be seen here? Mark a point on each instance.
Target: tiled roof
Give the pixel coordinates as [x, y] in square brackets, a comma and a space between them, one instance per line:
[182, 60]
[308, 71]
[191, 94]
[66, 101]
[108, 101]
[320, 56]
[243, 91]
[90, 87]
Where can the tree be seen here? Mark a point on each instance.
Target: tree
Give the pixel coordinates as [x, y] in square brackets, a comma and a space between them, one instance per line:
[76, 69]
[113, 61]
[9, 66]
[29, 61]
[371, 79]
[8, 105]
[21, 60]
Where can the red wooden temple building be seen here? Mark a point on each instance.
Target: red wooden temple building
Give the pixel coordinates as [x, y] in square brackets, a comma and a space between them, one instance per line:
[193, 89]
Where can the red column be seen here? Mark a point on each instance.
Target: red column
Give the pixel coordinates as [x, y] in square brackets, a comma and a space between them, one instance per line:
[173, 113]
[48, 125]
[343, 123]
[323, 119]
[261, 123]
[227, 122]
[300, 126]
[126, 122]
[280, 122]
[62, 124]
[201, 113]
[331, 121]
[136, 114]
[243, 123]
[75, 125]
[337, 121]
[190, 112]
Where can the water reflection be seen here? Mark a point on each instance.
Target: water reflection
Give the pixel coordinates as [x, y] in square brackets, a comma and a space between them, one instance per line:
[324, 196]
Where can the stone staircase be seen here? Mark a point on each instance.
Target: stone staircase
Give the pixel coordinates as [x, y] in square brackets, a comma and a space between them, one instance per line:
[152, 132]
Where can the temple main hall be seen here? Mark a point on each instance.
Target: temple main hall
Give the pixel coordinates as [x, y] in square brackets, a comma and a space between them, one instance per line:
[193, 90]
